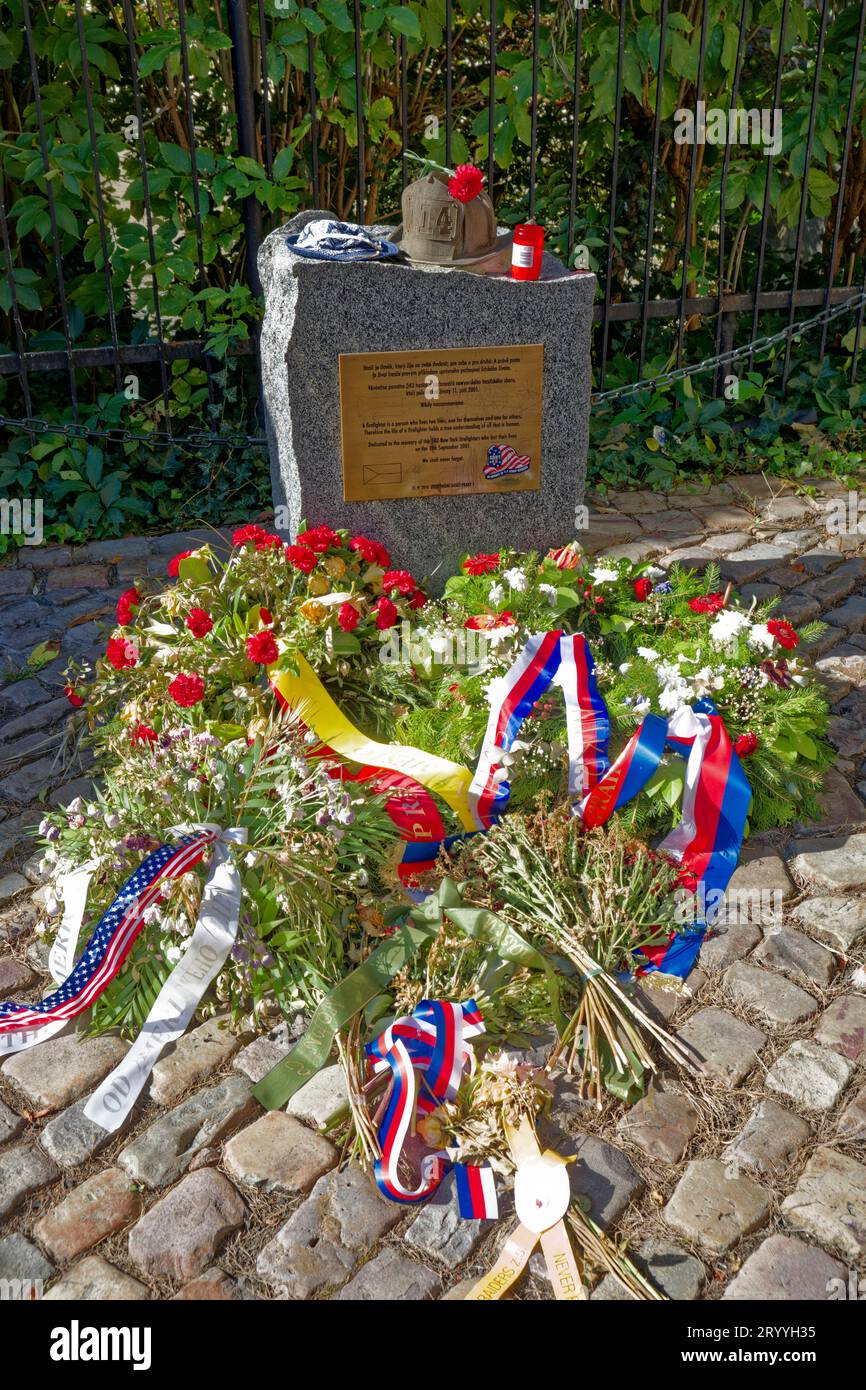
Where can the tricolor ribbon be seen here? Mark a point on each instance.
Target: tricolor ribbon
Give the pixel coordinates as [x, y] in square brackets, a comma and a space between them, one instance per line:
[427, 1054]
[707, 840]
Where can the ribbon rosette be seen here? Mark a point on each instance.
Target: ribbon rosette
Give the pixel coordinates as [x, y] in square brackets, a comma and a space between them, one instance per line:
[542, 1194]
[432, 1044]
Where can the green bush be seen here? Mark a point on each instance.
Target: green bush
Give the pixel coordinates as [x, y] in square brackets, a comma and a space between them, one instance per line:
[197, 262]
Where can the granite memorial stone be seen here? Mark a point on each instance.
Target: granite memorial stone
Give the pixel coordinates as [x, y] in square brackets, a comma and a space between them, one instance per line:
[316, 311]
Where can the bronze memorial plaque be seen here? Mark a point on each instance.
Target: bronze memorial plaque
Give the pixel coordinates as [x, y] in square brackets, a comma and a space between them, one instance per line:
[441, 423]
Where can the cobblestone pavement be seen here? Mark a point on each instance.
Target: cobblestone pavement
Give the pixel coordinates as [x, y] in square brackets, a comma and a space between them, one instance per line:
[746, 1181]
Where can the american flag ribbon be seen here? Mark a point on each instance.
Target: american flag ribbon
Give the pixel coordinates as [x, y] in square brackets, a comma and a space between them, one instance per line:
[110, 942]
[431, 1044]
[502, 460]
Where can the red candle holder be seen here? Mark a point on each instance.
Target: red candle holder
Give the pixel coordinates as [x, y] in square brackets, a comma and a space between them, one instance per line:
[526, 251]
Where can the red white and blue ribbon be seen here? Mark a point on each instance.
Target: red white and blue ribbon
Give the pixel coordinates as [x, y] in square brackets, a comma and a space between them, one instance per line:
[549, 658]
[23, 1025]
[427, 1054]
[706, 842]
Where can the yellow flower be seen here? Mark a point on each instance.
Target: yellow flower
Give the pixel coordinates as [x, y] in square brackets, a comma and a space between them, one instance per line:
[432, 1131]
[334, 566]
[131, 713]
[313, 612]
[318, 585]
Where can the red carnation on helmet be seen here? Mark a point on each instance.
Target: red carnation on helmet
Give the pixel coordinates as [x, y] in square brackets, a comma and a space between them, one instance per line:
[642, 589]
[371, 551]
[348, 617]
[783, 633]
[302, 558]
[401, 580]
[746, 744]
[186, 690]
[72, 695]
[319, 538]
[174, 564]
[262, 648]
[129, 599]
[481, 564]
[707, 603]
[199, 622]
[465, 183]
[121, 653]
[143, 733]
[386, 614]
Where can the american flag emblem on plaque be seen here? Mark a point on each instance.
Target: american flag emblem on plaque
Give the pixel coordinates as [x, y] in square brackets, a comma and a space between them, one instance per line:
[504, 461]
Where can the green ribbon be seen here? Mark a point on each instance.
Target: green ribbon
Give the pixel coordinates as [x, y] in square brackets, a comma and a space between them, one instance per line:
[483, 925]
[334, 1012]
[355, 992]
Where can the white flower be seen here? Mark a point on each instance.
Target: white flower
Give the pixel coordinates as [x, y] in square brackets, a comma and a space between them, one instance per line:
[173, 954]
[727, 625]
[497, 594]
[626, 666]
[653, 572]
[641, 706]
[761, 636]
[516, 580]
[672, 697]
[549, 591]
[501, 634]
[604, 575]
[648, 654]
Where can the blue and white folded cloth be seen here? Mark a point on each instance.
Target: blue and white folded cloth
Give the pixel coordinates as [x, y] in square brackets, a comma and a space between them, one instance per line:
[329, 240]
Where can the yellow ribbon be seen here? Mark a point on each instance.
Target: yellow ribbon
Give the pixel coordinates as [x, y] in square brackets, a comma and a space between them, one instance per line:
[309, 700]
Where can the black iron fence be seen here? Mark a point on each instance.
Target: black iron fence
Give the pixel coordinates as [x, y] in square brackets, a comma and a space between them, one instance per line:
[148, 148]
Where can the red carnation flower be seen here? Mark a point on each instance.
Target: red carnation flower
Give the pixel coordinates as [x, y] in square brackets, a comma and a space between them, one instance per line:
[129, 599]
[174, 564]
[418, 599]
[268, 540]
[707, 603]
[642, 589]
[386, 614]
[246, 534]
[371, 551]
[746, 744]
[186, 690]
[348, 617]
[401, 580]
[266, 617]
[75, 700]
[783, 633]
[121, 653]
[319, 538]
[302, 558]
[199, 622]
[481, 564]
[262, 648]
[465, 183]
[143, 733]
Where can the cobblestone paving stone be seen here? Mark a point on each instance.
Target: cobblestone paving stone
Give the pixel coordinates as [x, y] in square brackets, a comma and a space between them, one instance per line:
[747, 1181]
